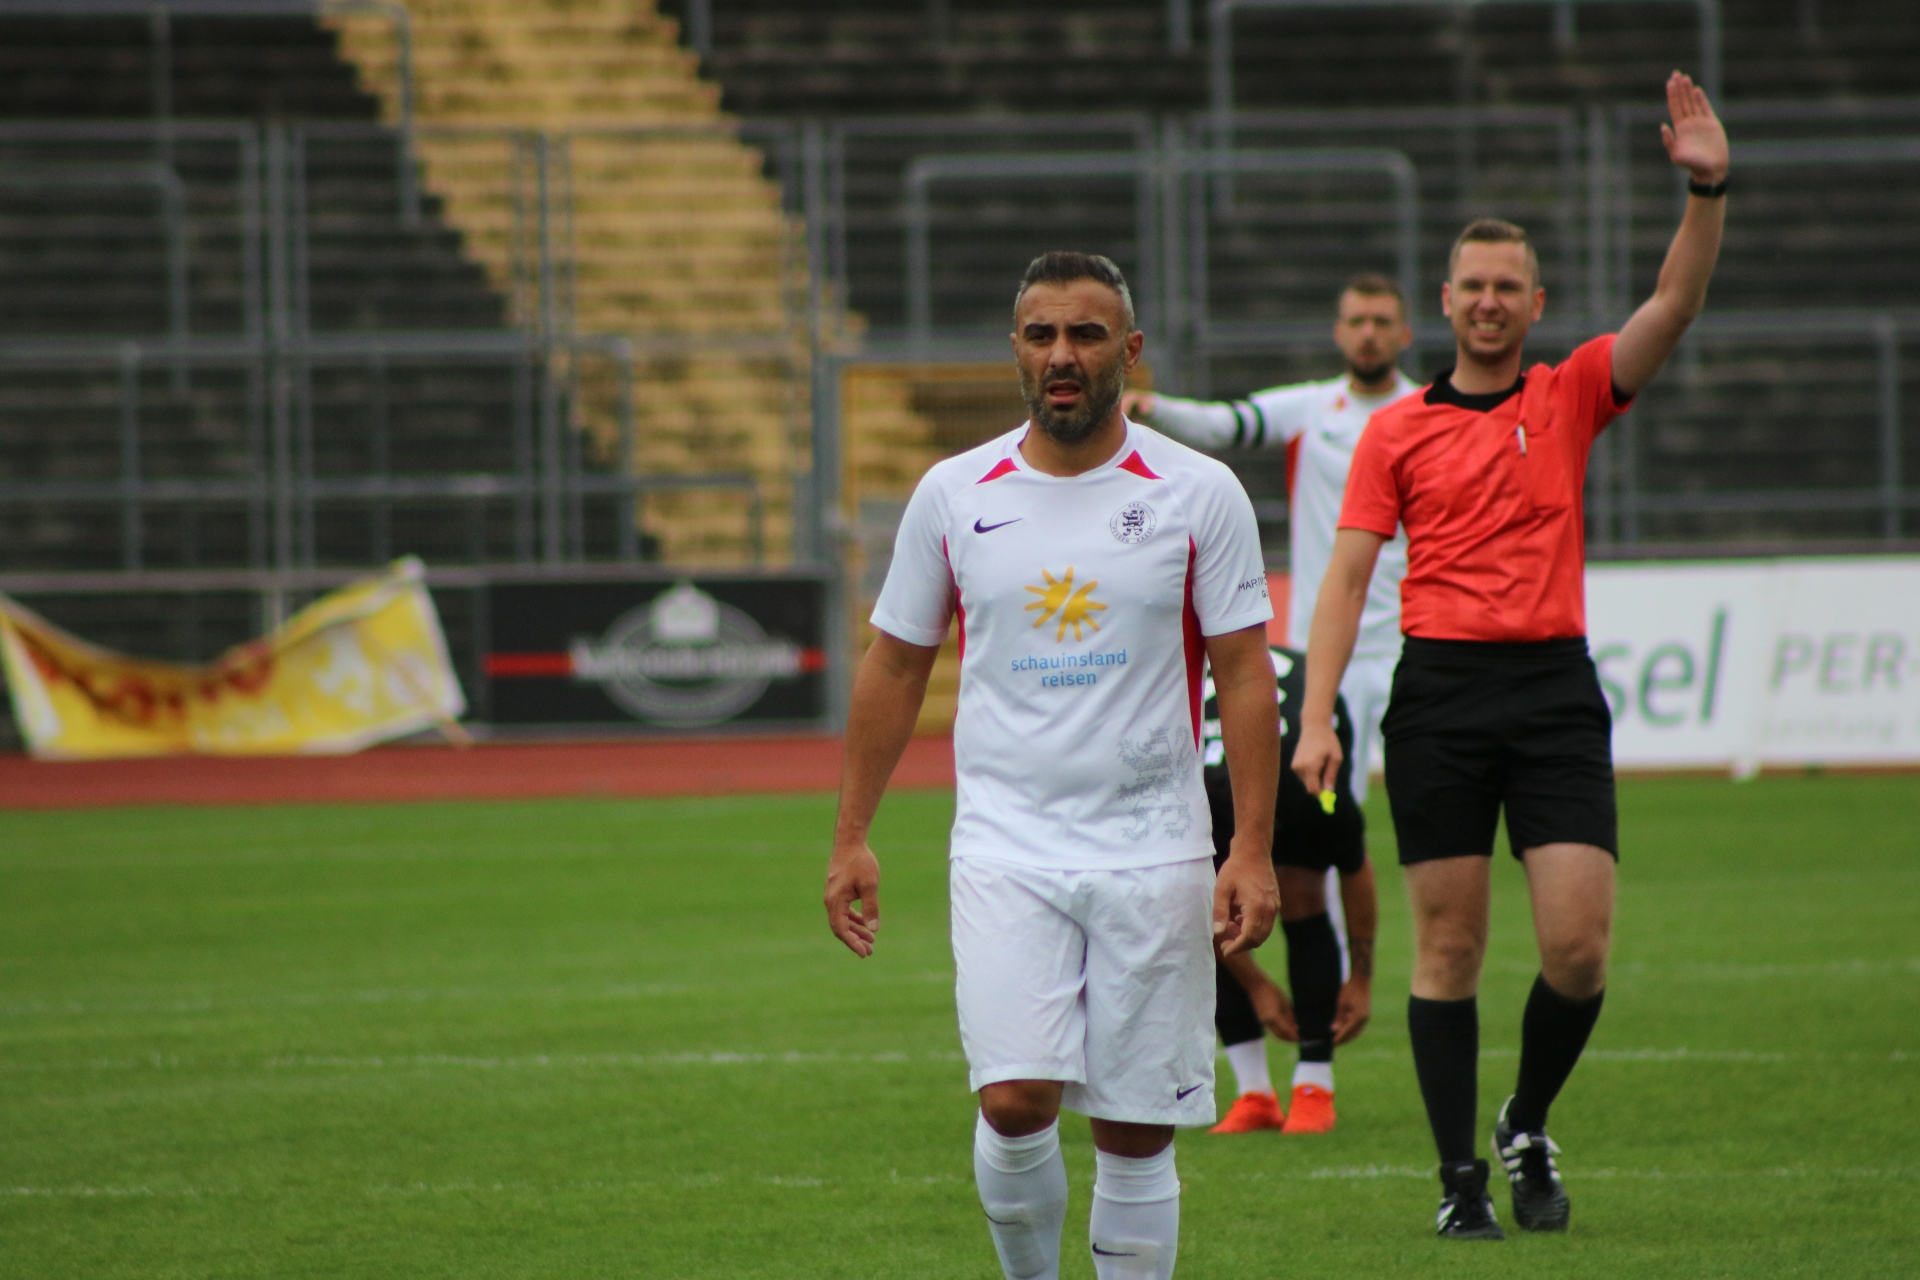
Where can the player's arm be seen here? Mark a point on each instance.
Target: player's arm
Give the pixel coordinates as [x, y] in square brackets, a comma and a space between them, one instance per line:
[1270, 1003]
[1265, 419]
[1696, 142]
[1246, 898]
[1336, 624]
[887, 693]
[1361, 905]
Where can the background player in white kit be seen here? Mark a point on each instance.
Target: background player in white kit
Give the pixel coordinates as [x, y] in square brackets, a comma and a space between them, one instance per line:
[1318, 423]
[1092, 564]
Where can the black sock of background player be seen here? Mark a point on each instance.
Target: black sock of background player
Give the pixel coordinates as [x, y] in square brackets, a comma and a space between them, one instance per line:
[1233, 1015]
[1313, 971]
[1446, 1056]
[1552, 1035]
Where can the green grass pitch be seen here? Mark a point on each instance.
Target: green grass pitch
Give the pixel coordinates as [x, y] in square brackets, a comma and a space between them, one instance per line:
[609, 1038]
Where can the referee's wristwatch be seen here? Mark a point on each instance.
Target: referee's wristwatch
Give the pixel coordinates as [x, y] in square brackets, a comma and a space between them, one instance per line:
[1708, 191]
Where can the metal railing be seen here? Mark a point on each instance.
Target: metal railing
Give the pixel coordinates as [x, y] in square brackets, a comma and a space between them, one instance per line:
[173, 213]
[1163, 192]
[277, 343]
[275, 352]
[1618, 501]
[160, 14]
[1220, 47]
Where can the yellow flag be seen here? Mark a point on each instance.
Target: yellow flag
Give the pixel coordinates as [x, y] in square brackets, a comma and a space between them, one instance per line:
[358, 666]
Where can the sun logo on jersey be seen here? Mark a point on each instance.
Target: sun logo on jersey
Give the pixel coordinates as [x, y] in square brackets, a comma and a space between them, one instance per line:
[1074, 608]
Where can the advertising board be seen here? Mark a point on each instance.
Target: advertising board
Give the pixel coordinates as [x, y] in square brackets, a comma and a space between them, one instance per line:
[687, 653]
[1749, 663]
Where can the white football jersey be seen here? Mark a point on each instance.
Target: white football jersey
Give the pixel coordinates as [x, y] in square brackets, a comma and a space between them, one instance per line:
[1323, 420]
[1082, 602]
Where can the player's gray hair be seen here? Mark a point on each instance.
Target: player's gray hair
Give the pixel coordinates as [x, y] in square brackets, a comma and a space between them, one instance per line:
[1064, 266]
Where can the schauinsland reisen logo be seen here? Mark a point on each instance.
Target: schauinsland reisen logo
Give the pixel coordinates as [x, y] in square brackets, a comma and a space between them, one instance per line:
[1059, 600]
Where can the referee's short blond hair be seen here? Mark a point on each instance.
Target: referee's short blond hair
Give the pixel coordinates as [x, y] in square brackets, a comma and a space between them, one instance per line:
[1494, 231]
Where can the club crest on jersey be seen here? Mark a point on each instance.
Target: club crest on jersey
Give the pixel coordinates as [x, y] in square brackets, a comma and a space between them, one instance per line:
[1073, 608]
[1133, 523]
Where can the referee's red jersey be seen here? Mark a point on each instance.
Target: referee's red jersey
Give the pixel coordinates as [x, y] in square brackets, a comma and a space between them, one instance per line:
[1490, 491]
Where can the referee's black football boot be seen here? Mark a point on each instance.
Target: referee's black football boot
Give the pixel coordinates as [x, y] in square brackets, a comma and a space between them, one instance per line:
[1539, 1199]
[1466, 1211]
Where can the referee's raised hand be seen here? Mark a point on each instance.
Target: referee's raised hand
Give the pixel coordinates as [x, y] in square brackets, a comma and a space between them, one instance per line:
[1695, 141]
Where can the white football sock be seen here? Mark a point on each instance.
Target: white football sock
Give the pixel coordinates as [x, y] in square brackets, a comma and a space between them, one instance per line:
[1314, 1073]
[1135, 1229]
[1249, 1063]
[1023, 1188]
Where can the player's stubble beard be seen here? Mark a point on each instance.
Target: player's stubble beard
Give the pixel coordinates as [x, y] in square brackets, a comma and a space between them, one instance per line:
[1374, 377]
[1099, 396]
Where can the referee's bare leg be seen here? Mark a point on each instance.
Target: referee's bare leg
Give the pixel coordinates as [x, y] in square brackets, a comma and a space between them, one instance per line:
[1572, 888]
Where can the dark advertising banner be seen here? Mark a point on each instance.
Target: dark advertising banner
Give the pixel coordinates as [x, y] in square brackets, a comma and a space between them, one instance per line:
[685, 654]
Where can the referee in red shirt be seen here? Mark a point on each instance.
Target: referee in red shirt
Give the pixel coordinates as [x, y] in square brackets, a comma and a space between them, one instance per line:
[1495, 702]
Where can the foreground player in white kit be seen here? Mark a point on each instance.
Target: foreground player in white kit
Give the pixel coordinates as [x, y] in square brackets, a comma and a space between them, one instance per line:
[1318, 423]
[1092, 564]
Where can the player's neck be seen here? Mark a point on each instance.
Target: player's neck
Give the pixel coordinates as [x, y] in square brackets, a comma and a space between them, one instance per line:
[1379, 387]
[1474, 376]
[1052, 458]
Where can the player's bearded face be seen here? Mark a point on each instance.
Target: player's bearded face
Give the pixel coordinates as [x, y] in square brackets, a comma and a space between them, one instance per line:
[1100, 390]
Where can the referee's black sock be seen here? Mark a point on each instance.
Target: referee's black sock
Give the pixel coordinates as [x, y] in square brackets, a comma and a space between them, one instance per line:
[1446, 1056]
[1552, 1036]
[1313, 971]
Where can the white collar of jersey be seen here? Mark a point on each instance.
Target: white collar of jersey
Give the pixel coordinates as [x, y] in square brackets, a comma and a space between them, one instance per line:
[1402, 384]
[1120, 455]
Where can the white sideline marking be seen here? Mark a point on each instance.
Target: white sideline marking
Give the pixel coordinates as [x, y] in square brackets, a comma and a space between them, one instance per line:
[423, 1061]
[207, 1003]
[1681, 1054]
[1747, 972]
[895, 1178]
[210, 1003]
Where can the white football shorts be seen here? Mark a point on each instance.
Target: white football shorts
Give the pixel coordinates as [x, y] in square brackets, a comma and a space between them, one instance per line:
[1366, 687]
[1101, 979]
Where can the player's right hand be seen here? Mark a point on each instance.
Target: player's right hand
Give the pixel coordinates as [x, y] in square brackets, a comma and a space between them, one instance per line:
[1316, 760]
[1137, 404]
[1275, 1011]
[853, 875]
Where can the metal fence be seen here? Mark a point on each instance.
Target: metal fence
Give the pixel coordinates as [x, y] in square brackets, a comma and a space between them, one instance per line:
[1712, 454]
[239, 314]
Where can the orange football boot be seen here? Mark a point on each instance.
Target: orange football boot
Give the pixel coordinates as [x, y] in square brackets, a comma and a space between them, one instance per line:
[1312, 1110]
[1250, 1113]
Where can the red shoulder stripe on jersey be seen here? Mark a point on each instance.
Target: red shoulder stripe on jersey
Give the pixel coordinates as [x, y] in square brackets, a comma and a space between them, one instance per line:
[1003, 467]
[1136, 464]
[959, 605]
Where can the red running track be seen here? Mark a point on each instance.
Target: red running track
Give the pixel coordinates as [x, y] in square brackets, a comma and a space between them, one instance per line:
[496, 771]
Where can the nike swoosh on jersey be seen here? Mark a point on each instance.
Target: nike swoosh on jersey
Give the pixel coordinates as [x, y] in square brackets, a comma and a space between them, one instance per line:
[989, 528]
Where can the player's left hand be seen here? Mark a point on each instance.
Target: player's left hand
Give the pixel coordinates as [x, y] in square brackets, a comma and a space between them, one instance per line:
[1246, 898]
[1355, 1007]
[853, 875]
[1695, 141]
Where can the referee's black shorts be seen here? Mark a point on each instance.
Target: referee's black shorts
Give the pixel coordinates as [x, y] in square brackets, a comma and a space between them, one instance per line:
[1473, 726]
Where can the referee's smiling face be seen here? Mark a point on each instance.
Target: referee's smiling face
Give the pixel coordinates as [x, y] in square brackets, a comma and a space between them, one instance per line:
[1492, 300]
